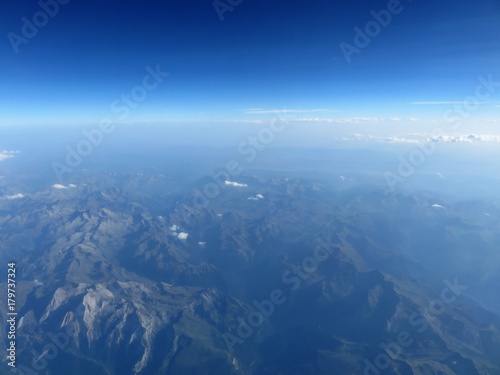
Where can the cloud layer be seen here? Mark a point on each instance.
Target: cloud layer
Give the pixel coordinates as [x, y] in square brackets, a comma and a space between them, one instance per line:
[14, 196]
[420, 138]
[59, 186]
[234, 184]
[4, 154]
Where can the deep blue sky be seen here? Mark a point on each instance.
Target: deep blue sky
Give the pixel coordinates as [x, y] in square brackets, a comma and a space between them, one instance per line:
[265, 55]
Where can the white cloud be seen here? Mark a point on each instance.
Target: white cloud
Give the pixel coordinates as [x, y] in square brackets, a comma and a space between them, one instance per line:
[235, 184]
[399, 140]
[60, 186]
[174, 227]
[256, 198]
[470, 138]
[202, 243]
[294, 117]
[15, 196]
[421, 138]
[4, 154]
[437, 206]
[182, 236]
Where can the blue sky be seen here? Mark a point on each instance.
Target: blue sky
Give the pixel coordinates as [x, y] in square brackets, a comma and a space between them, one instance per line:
[264, 55]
